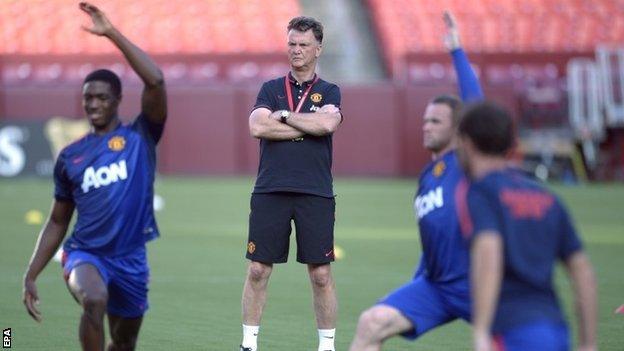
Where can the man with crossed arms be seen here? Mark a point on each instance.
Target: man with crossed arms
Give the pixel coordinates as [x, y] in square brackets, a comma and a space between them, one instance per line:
[294, 117]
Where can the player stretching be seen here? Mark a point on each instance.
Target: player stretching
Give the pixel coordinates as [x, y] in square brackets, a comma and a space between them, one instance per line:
[518, 230]
[107, 177]
[439, 292]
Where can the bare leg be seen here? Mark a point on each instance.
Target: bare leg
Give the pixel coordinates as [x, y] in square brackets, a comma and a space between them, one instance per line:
[254, 292]
[88, 288]
[377, 324]
[124, 332]
[324, 291]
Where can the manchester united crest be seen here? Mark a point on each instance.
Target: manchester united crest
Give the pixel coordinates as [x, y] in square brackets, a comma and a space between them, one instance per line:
[117, 143]
[316, 97]
[251, 247]
[439, 168]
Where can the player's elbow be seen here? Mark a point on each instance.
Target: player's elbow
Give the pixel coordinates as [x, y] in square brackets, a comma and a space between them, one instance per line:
[157, 80]
[590, 279]
[328, 130]
[259, 122]
[256, 130]
[586, 271]
[332, 125]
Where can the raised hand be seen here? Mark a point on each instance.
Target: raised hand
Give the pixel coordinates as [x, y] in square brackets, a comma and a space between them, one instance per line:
[31, 299]
[451, 38]
[101, 24]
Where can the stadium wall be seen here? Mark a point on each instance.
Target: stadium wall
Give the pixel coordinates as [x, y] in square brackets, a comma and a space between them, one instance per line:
[210, 98]
[207, 131]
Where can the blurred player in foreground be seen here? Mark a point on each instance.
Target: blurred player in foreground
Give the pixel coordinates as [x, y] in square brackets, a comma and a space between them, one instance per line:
[439, 292]
[518, 230]
[107, 177]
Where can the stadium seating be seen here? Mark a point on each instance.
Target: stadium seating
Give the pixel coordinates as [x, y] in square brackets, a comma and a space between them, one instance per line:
[159, 26]
[491, 26]
[195, 41]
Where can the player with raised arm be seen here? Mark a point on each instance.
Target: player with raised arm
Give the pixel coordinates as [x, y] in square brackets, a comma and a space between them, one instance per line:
[439, 292]
[107, 177]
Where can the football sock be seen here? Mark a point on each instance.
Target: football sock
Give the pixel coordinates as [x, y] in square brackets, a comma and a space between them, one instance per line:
[250, 336]
[326, 339]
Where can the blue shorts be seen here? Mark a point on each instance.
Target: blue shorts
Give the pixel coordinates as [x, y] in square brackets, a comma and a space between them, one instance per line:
[126, 278]
[428, 305]
[542, 335]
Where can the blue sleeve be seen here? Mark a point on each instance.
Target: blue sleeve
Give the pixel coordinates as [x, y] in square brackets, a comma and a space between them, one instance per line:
[266, 99]
[569, 242]
[421, 267]
[332, 96]
[62, 184]
[469, 87]
[483, 213]
[149, 130]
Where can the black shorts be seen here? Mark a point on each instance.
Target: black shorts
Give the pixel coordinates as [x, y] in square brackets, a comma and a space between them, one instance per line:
[270, 227]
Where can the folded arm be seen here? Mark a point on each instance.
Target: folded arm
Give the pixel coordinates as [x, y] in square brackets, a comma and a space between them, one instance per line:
[323, 122]
[263, 124]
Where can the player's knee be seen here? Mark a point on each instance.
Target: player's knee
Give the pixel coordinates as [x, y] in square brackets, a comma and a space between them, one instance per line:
[258, 272]
[95, 303]
[321, 277]
[372, 321]
[321, 280]
[94, 306]
[91, 295]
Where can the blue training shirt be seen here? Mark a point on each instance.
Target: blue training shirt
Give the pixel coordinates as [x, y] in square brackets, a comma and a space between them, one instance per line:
[110, 179]
[536, 232]
[445, 255]
[444, 252]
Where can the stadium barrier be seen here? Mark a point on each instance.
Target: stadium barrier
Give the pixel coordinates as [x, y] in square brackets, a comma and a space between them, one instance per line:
[210, 99]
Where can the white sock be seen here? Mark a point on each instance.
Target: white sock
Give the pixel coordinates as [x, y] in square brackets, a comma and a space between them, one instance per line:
[250, 336]
[326, 339]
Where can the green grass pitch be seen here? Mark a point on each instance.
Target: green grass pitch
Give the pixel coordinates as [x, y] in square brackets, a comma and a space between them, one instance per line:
[198, 267]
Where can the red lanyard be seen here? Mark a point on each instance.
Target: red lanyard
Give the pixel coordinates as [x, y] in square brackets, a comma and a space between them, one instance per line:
[289, 94]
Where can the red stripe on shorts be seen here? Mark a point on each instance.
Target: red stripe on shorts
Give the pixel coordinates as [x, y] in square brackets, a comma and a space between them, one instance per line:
[499, 343]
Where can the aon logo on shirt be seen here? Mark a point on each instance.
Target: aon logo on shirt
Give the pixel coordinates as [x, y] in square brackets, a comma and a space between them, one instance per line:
[104, 175]
[429, 202]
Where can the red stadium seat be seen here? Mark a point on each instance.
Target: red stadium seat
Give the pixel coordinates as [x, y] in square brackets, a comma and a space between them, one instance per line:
[158, 26]
[412, 26]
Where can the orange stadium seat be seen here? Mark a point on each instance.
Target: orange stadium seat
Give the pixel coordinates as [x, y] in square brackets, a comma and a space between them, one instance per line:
[159, 26]
[491, 26]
